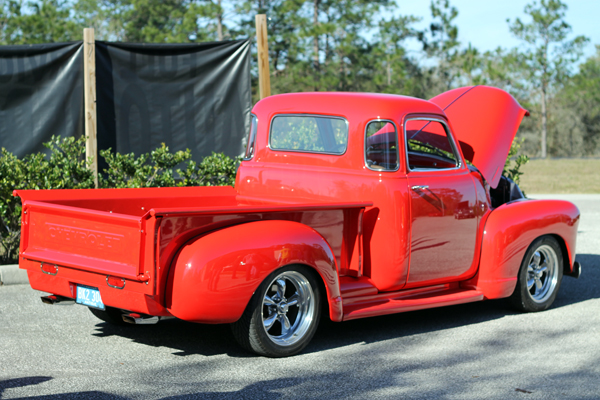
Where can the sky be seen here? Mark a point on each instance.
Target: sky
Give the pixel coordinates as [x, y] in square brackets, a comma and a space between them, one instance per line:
[483, 22]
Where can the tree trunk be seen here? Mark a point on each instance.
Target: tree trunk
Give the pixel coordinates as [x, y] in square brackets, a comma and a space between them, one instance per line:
[389, 71]
[219, 22]
[316, 65]
[544, 122]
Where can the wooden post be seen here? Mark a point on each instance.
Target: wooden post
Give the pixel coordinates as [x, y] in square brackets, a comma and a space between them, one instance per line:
[262, 41]
[89, 87]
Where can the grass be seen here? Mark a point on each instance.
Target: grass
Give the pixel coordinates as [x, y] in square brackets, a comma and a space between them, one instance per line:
[573, 175]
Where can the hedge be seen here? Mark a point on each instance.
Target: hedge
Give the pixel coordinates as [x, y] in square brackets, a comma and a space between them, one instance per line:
[66, 168]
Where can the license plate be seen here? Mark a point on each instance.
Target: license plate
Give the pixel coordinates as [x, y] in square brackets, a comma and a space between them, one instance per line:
[89, 296]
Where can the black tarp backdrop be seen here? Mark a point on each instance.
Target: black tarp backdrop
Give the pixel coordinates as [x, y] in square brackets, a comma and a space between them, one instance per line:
[195, 96]
[41, 94]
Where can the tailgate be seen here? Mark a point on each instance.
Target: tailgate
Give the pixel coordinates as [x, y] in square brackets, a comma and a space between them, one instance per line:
[89, 240]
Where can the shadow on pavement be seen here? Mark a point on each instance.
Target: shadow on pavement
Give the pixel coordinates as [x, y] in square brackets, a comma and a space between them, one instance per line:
[35, 380]
[267, 390]
[185, 338]
[20, 382]
[574, 291]
[189, 338]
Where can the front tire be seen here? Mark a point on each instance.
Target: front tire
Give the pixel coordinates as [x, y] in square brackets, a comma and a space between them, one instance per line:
[282, 315]
[539, 277]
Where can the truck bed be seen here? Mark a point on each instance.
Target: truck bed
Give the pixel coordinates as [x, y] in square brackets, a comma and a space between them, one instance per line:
[134, 234]
[104, 231]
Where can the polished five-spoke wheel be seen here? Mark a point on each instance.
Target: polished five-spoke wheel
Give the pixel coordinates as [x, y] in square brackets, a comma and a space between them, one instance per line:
[540, 275]
[288, 308]
[283, 314]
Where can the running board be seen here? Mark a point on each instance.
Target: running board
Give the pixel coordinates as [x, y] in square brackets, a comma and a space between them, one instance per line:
[393, 306]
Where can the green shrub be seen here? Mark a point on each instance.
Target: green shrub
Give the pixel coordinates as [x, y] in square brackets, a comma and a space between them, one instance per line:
[214, 170]
[147, 170]
[65, 168]
[514, 162]
[11, 177]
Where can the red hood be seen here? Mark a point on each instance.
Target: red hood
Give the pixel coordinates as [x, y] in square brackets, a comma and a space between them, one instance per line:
[485, 121]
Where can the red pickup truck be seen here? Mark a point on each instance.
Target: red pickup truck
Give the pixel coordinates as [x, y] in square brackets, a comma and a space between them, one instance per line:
[349, 204]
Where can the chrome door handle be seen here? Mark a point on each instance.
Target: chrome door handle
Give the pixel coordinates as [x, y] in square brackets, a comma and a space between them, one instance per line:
[420, 187]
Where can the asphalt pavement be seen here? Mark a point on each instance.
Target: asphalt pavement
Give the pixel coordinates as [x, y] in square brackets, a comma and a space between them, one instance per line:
[12, 275]
[474, 351]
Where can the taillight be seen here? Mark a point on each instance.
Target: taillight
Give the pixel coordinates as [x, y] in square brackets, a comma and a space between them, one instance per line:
[49, 269]
[114, 282]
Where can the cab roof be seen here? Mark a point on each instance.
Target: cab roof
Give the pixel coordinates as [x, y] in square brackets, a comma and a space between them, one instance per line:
[345, 104]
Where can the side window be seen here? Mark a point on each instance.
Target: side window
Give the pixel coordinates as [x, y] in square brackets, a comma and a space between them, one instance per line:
[381, 146]
[309, 133]
[428, 145]
[251, 138]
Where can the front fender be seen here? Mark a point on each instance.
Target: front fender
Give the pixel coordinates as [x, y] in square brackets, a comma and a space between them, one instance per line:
[510, 229]
[214, 276]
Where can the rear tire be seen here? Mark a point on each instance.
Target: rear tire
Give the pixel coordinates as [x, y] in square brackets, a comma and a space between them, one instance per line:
[111, 315]
[283, 314]
[539, 277]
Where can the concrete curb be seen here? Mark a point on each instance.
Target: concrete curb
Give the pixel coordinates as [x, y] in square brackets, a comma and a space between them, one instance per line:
[12, 275]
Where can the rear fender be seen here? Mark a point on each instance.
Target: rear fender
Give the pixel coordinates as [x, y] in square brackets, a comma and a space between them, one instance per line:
[510, 229]
[214, 276]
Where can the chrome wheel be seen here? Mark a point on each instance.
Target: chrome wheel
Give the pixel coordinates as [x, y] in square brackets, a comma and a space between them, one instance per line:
[542, 273]
[288, 308]
[283, 314]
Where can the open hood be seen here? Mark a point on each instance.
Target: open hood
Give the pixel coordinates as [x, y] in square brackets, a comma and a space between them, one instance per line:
[485, 121]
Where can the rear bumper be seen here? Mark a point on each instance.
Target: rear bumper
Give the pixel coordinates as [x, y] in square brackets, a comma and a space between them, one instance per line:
[135, 296]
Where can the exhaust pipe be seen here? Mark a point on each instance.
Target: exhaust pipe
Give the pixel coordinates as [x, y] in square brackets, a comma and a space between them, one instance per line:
[56, 299]
[576, 270]
[138, 319]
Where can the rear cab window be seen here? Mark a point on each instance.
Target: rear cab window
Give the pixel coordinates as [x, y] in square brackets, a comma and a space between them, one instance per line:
[250, 146]
[309, 133]
[381, 146]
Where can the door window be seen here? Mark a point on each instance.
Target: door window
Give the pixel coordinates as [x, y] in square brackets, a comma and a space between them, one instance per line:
[429, 145]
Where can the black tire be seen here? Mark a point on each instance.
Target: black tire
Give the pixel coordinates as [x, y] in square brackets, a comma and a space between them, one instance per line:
[261, 329]
[539, 277]
[111, 315]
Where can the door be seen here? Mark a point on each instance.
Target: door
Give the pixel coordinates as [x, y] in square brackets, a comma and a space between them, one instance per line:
[442, 205]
